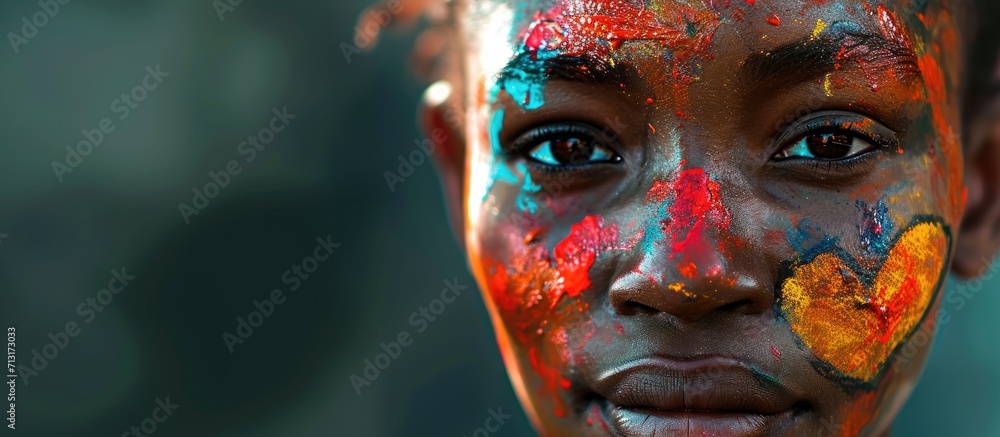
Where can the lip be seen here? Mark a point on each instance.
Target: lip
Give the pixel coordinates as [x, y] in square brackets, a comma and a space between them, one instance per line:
[710, 396]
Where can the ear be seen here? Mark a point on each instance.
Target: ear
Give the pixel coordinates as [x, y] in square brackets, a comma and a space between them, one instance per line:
[441, 119]
[980, 232]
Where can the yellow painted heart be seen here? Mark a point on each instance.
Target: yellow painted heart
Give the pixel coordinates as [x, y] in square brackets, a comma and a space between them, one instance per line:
[855, 328]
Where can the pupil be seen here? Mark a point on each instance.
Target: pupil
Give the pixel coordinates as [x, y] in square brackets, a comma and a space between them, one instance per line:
[830, 146]
[572, 151]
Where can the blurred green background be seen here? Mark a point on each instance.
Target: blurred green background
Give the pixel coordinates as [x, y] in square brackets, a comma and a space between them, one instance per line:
[323, 175]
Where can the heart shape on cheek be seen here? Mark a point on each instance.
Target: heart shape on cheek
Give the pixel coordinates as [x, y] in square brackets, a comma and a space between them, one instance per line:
[855, 327]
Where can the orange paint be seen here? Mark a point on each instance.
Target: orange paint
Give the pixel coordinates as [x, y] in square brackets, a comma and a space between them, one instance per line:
[854, 327]
[535, 280]
[859, 413]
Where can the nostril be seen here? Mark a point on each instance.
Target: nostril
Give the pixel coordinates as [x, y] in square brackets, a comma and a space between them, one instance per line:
[633, 308]
[744, 306]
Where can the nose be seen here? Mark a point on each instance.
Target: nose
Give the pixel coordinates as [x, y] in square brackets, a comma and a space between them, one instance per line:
[690, 300]
[689, 264]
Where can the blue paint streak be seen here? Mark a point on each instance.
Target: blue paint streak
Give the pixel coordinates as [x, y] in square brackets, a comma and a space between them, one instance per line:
[502, 173]
[525, 77]
[499, 171]
[525, 202]
[800, 236]
[876, 227]
[653, 232]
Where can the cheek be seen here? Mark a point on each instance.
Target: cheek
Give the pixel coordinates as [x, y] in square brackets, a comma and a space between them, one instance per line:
[537, 294]
[853, 317]
[536, 289]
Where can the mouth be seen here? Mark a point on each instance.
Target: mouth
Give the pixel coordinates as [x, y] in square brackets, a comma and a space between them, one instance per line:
[711, 396]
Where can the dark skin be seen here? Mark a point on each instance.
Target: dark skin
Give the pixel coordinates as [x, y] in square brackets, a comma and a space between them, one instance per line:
[658, 237]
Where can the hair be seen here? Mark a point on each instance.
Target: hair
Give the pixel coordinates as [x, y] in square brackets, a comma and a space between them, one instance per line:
[436, 53]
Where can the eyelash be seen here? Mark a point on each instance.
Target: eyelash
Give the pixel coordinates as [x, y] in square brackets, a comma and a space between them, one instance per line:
[879, 136]
[527, 142]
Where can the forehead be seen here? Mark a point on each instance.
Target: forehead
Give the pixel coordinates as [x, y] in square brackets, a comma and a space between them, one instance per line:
[675, 27]
[731, 12]
[659, 47]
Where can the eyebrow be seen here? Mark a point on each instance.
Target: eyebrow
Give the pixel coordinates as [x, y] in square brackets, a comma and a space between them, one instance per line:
[844, 44]
[586, 69]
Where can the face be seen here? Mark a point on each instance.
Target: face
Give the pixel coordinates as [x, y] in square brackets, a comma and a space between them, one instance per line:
[712, 217]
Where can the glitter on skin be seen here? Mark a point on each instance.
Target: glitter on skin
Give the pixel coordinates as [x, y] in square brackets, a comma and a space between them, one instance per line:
[854, 327]
[876, 227]
[574, 28]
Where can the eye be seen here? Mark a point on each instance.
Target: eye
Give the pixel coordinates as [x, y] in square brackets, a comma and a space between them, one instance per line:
[831, 146]
[571, 151]
[567, 146]
[833, 137]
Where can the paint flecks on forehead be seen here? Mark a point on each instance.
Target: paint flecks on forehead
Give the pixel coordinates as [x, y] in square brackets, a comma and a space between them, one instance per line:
[596, 29]
[892, 55]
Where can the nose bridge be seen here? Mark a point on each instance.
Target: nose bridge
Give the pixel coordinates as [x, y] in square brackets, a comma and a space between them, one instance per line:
[689, 227]
[686, 263]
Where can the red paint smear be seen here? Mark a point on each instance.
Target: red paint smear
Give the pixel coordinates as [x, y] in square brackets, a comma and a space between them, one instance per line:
[875, 58]
[773, 20]
[530, 288]
[697, 205]
[935, 85]
[597, 27]
[576, 253]
[660, 192]
[775, 352]
[859, 413]
[534, 281]
[550, 377]
[890, 312]
[578, 27]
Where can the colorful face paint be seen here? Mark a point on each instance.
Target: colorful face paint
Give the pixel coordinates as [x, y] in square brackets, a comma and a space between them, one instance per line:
[691, 204]
[596, 29]
[854, 324]
[532, 285]
[687, 263]
[876, 227]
